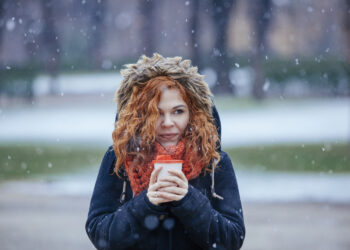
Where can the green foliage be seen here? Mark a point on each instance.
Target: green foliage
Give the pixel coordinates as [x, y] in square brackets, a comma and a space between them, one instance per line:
[18, 81]
[330, 158]
[241, 104]
[318, 72]
[28, 161]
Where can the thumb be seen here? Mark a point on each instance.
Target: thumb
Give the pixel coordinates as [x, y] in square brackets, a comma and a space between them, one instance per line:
[155, 174]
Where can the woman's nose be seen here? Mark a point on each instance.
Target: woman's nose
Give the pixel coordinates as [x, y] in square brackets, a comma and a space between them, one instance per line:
[167, 121]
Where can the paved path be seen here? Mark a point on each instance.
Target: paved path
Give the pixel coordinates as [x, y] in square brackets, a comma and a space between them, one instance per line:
[39, 222]
[254, 186]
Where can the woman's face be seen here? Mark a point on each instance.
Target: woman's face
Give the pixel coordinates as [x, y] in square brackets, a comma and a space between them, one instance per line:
[173, 117]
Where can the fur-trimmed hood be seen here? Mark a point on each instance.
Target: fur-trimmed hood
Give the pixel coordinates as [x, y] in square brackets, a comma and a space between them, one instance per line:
[180, 70]
[157, 65]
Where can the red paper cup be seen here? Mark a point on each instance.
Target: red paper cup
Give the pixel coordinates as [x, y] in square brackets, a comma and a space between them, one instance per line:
[167, 163]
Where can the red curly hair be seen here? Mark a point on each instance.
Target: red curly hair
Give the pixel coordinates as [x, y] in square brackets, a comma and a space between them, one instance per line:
[134, 133]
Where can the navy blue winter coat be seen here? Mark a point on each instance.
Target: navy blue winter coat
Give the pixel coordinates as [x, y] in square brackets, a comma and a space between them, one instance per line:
[198, 221]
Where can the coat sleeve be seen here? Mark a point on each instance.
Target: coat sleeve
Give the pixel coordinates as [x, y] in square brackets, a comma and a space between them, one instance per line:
[111, 225]
[219, 223]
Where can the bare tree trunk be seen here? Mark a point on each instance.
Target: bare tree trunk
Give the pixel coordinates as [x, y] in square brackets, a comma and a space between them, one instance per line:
[193, 30]
[50, 41]
[261, 15]
[347, 34]
[221, 10]
[347, 28]
[2, 24]
[98, 13]
[2, 21]
[147, 32]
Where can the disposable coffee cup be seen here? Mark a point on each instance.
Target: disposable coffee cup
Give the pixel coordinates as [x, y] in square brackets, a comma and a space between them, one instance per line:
[167, 163]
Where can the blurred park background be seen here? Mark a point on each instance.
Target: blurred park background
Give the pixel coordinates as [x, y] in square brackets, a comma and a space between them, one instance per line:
[280, 73]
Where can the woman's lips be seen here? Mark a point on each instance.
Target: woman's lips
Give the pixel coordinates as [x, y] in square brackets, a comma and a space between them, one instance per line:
[168, 136]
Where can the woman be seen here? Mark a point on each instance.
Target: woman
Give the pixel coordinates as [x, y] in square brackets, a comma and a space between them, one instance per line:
[164, 107]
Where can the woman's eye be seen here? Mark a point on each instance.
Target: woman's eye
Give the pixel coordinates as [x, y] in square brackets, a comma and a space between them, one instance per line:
[179, 111]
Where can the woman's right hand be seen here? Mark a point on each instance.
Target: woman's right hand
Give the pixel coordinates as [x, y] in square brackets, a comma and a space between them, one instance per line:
[153, 194]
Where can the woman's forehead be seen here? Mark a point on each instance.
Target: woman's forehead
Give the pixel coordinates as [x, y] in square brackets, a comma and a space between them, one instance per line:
[170, 98]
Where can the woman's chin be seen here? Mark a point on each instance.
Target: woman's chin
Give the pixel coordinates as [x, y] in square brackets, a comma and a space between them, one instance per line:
[166, 144]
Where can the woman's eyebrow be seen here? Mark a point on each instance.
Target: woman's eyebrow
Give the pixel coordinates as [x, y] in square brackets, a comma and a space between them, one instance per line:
[176, 107]
[179, 106]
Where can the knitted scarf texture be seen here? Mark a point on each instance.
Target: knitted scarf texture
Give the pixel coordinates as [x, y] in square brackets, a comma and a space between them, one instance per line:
[139, 180]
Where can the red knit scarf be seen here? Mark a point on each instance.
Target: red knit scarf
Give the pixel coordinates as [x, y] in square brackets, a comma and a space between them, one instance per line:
[139, 180]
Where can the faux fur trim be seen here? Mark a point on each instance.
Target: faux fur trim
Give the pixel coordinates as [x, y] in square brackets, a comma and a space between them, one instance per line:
[174, 67]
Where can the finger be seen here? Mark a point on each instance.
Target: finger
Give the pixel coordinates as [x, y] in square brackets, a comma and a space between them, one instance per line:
[175, 180]
[159, 184]
[159, 196]
[170, 196]
[158, 200]
[154, 175]
[173, 190]
[180, 174]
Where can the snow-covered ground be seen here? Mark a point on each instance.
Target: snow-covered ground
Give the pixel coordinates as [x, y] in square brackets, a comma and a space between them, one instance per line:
[315, 121]
[319, 121]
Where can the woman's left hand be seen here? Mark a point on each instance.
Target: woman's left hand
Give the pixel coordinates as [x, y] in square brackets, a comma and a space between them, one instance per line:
[178, 190]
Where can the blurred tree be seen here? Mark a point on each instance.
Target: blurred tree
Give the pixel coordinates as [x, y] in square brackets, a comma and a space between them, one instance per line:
[147, 26]
[97, 11]
[347, 28]
[2, 12]
[32, 31]
[260, 11]
[220, 12]
[50, 41]
[2, 21]
[193, 30]
[347, 34]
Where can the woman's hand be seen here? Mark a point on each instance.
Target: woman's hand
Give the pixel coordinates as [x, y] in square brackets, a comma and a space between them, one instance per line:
[153, 193]
[178, 187]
